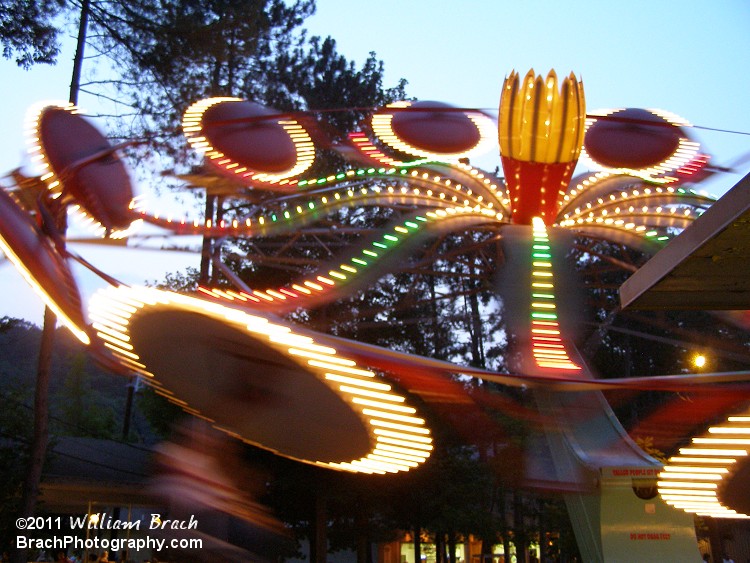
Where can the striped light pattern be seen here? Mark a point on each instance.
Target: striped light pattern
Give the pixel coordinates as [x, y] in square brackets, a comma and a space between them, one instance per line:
[364, 145]
[400, 439]
[383, 129]
[616, 202]
[691, 481]
[582, 201]
[84, 220]
[541, 120]
[547, 343]
[651, 212]
[438, 191]
[684, 155]
[578, 208]
[55, 184]
[192, 126]
[34, 142]
[78, 331]
[349, 270]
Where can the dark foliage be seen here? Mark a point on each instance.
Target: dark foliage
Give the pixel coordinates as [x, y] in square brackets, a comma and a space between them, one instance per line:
[29, 31]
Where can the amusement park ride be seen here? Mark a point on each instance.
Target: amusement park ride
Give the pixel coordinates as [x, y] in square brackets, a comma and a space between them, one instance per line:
[227, 355]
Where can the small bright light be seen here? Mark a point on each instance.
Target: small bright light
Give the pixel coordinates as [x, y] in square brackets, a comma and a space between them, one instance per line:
[699, 361]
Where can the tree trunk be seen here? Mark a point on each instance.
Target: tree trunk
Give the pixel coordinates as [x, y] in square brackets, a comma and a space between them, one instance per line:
[474, 325]
[41, 422]
[75, 79]
[41, 396]
[206, 251]
[439, 547]
[216, 244]
[438, 348]
[519, 527]
[128, 409]
[319, 539]
[452, 548]
[364, 554]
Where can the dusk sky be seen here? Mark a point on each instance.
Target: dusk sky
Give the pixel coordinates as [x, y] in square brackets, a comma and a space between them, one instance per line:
[688, 57]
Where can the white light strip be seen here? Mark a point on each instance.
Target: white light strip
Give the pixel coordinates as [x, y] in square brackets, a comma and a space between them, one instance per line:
[683, 481]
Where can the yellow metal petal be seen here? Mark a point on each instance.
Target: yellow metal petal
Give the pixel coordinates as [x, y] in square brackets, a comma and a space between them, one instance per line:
[508, 101]
[553, 119]
[581, 116]
[538, 131]
[526, 118]
[542, 120]
[571, 127]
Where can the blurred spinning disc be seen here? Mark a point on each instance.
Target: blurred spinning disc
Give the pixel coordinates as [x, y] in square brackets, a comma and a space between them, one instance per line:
[247, 386]
[247, 140]
[80, 161]
[636, 139]
[41, 265]
[261, 382]
[433, 129]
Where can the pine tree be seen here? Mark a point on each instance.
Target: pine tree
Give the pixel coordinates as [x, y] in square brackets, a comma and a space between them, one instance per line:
[29, 32]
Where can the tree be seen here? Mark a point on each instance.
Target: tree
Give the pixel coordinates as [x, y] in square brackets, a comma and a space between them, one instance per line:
[84, 408]
[29, 32]
[15, 441]
[169, 54]
[316, 77]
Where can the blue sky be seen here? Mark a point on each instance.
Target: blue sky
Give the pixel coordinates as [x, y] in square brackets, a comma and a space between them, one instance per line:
[688, 57]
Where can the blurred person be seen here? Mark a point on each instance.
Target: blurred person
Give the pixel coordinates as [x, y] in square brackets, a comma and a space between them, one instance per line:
[193, 480]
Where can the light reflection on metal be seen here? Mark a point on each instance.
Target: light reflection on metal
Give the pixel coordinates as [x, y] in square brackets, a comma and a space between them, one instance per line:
[36, 151]
[79, 333]
[363, 144]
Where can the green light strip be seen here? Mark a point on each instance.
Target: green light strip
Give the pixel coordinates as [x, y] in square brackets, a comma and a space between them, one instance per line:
[549, 316]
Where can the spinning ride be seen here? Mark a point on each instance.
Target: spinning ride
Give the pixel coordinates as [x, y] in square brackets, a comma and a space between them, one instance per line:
[336, 394]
